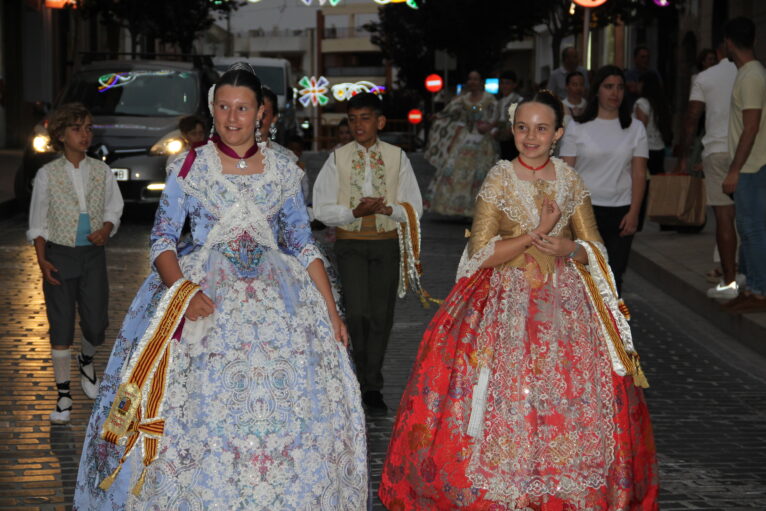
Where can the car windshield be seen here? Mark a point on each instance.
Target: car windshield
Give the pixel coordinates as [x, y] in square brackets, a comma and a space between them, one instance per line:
[155, 93]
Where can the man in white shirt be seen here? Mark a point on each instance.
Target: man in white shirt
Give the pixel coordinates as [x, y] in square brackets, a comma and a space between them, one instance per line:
[570, 61]
[359, 190]
[711, 96]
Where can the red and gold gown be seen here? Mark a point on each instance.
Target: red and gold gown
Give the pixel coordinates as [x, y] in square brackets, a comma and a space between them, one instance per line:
[524, 393]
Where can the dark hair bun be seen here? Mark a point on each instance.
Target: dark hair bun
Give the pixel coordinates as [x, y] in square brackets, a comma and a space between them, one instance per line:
[241, 74]
[549, 99]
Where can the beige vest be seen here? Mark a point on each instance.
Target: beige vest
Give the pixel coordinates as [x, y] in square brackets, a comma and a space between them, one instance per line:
[365, 228]
[63, 206]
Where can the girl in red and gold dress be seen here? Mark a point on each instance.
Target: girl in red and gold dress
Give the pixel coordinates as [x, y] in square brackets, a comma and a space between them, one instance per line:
[526, 390]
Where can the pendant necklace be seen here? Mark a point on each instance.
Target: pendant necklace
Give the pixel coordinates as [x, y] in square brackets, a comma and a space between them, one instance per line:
[530, 167]
[228, 151]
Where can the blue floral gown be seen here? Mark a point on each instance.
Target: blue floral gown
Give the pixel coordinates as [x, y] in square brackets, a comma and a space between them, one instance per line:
[262, 410]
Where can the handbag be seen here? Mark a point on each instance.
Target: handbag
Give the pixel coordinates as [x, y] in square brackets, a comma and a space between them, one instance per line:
[676, 199]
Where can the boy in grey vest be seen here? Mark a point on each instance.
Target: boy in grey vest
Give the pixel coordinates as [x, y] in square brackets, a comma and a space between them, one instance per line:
[76, 206]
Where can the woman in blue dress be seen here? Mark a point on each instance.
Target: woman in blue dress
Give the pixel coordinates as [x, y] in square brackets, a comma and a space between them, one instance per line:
[261, 408]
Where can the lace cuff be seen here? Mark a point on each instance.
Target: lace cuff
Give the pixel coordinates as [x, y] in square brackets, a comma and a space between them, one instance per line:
[469, 265]
[158, 247]
[308, 253]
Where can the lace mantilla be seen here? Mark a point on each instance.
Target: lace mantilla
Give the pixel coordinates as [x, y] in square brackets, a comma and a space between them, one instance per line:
[516, 197]
[207, 183]
[470, 265]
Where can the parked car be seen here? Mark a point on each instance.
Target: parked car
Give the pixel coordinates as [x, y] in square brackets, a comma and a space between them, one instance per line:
[136, 106]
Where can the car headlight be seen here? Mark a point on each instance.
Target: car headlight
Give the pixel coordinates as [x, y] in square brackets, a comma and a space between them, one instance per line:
[172, 143]
[41, 143]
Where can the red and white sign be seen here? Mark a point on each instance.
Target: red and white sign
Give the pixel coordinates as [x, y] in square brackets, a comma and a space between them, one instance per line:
[415, 116]
[589, 3]
[434, 83]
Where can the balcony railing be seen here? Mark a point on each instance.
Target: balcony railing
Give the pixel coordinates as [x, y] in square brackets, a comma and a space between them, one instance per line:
[356, 71]
[345, 32]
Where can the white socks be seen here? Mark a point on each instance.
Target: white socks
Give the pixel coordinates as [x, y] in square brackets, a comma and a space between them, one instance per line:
[62, 365]
[87, 348]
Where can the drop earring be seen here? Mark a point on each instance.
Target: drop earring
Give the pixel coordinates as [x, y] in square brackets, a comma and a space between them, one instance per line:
[258, 137]
[553, 148]
[273, 132]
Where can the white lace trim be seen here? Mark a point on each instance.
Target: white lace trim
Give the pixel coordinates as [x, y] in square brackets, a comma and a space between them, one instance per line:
[207, 172]
[516, 197]
[470, 265]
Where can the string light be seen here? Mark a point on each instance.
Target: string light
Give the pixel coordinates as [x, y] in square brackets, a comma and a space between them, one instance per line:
[410, 3]
[345, 91]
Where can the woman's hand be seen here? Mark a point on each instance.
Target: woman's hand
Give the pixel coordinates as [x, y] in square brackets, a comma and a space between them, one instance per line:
[339, 328]
[629, 224]
[552, 245]
[549, 216]
[200, 306]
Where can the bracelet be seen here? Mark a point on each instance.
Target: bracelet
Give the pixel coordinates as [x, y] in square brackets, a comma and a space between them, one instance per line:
[573, 253]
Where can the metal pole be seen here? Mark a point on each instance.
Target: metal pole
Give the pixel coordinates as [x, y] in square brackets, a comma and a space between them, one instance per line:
[585, 36]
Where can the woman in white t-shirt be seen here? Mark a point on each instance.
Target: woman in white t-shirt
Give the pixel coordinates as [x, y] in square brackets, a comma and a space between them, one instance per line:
[652, 109]
[610, 151]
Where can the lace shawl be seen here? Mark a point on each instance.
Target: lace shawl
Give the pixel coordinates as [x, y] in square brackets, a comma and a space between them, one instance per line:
[516, 199]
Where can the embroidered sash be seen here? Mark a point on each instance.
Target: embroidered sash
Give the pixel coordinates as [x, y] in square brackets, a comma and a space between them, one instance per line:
[410, 268]
[612, 312]
[135, 409]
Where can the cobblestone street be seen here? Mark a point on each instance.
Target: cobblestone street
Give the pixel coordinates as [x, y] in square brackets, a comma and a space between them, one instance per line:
[708, 398]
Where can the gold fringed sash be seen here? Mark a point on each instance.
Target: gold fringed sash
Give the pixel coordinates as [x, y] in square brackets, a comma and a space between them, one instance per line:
[410, 268]
[629, 360]
[134, 415]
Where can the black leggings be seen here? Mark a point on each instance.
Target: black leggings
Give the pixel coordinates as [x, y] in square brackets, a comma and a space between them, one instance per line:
[617, 247]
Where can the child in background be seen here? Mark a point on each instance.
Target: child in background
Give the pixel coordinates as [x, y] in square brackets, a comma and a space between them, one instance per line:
[344, 134]
[76, 206]
[575, 102]
[192, 130]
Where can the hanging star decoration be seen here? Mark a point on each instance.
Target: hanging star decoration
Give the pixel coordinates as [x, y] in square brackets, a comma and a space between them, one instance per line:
[332, 3]
[410, 3]
[314, 91]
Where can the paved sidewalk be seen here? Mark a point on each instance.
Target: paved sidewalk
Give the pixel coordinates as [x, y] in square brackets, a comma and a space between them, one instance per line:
[677, 263]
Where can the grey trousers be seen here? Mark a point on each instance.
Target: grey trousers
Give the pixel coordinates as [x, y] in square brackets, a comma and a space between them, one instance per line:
[369, 276]
[82, 273]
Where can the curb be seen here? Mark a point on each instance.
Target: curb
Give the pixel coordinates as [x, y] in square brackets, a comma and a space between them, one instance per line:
[748, 329]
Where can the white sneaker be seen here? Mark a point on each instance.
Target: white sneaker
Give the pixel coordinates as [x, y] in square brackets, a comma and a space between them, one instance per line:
[88, 379]
[724, 291]
[63, 409]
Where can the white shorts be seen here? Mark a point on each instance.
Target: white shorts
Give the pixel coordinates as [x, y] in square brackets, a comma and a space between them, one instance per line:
[716, 166]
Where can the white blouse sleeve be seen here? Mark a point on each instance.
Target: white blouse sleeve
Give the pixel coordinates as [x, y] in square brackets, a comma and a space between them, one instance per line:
[113, 203]
[641, 144]
[38, 207]
[325, 204]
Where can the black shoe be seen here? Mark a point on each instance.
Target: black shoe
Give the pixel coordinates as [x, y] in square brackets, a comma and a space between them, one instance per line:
[373, 400]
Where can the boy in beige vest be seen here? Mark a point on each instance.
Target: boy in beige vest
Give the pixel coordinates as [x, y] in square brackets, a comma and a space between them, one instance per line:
[359, 191]
[76, 205]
